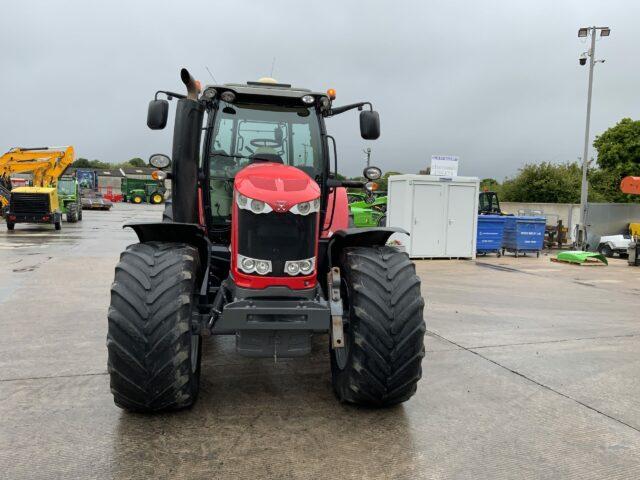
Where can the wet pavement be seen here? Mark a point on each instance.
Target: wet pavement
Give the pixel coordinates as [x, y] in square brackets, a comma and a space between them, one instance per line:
[531, 372]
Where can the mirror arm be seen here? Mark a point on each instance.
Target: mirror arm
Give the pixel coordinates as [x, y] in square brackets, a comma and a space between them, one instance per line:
[170, 95]
[346, 108]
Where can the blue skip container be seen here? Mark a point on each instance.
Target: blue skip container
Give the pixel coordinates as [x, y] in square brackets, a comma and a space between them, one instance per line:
[490, 234]
[523, 235]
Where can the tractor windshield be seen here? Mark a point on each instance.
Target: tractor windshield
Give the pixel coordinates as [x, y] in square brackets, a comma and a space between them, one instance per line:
[245, 133]
[66, 187]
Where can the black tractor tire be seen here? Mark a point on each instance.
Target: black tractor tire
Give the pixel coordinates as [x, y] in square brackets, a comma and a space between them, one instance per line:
[11, 226]
[382, 221]
[154, 356]
[167, 214]
[156, 198]
[605, 250]
[58, 225]
[137, 199]
[72, 213]
[381, 362]
[79, 213]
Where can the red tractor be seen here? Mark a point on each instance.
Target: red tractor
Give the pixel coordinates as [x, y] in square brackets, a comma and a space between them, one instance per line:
[254, 243]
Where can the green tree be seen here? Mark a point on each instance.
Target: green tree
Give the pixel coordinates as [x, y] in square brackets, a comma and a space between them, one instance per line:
[619, 147]
[544, 182]
[80, 163]
[489, 184]
[84, 163]
[137, 162]
[618, 156]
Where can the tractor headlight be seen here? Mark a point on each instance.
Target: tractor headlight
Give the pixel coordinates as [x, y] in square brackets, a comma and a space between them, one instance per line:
[263, 267]
[248, 264]
[305, 208]
[308, 99]
[253, 265]
[257, 206]
[251, 204]
[304, 267]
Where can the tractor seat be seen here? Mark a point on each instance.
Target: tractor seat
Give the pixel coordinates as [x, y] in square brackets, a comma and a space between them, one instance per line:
[265, 157]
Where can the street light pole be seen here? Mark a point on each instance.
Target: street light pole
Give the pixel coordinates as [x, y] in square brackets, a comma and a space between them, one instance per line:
[368, 153]
[584, 188]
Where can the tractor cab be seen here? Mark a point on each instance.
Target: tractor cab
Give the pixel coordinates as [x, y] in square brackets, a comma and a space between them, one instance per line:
[488, 203]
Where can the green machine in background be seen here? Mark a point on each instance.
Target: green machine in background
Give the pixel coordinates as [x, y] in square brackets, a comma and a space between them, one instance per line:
[136, 190]
[367, 211]
[69, 198]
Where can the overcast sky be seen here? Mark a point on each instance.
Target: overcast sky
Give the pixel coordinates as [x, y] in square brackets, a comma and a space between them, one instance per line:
[495, 82]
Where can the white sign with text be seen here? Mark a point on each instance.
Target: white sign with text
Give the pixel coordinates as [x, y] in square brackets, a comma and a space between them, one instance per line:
[444, 165]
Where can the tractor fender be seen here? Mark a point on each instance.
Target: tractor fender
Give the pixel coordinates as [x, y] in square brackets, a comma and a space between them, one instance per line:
[358, 237]
[189, 233]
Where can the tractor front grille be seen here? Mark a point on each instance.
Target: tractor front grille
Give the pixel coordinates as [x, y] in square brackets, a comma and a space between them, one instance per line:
[277, 237]
[29, 203]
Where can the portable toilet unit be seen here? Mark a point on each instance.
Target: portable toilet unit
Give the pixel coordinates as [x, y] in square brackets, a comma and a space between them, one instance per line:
[440, 214]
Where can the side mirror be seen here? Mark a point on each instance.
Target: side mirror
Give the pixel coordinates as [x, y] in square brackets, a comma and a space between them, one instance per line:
[157, 114]
[159, 161]
[369, 124]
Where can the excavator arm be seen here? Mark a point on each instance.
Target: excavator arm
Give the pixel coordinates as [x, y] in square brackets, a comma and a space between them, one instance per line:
[46, 164]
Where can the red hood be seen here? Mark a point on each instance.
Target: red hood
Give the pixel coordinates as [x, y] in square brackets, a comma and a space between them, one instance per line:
[280, 186]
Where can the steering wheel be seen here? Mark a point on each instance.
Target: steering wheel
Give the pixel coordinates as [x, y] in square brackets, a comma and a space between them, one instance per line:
[264, 142]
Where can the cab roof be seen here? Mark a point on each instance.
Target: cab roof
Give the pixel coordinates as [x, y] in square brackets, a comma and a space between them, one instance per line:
[265, 89]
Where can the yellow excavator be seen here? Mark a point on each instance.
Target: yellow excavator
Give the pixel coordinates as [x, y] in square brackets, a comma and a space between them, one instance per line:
[37, 203]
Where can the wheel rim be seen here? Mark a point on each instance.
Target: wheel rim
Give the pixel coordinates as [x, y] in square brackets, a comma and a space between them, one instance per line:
[157, 198]
[137, 199]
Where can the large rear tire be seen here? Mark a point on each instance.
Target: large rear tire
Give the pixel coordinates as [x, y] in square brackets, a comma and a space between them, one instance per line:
[156, 198]
[380, 364]
[154, 357]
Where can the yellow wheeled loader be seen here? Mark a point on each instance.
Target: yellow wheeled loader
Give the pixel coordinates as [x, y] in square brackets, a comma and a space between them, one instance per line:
[37, 203]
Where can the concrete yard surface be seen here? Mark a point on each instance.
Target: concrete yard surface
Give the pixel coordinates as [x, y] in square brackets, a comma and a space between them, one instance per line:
[532, 372]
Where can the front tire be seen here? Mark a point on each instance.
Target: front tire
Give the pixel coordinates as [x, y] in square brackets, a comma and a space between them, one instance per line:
[72, 213]
[11, 226]
[154, 357]
[606, 250]
[380, 364]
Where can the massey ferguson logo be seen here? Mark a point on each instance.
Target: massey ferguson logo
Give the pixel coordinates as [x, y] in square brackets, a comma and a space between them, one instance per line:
[281, 206]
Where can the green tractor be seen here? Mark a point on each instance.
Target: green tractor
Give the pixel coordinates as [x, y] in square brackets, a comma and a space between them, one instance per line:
[367, 211]
[143, 191]
[69, 198]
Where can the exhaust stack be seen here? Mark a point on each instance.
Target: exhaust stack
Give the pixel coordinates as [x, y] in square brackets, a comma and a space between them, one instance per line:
[193, 86]
[186, 152]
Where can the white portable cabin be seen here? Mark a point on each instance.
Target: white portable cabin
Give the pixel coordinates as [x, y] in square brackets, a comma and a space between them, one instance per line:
[440, 214]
